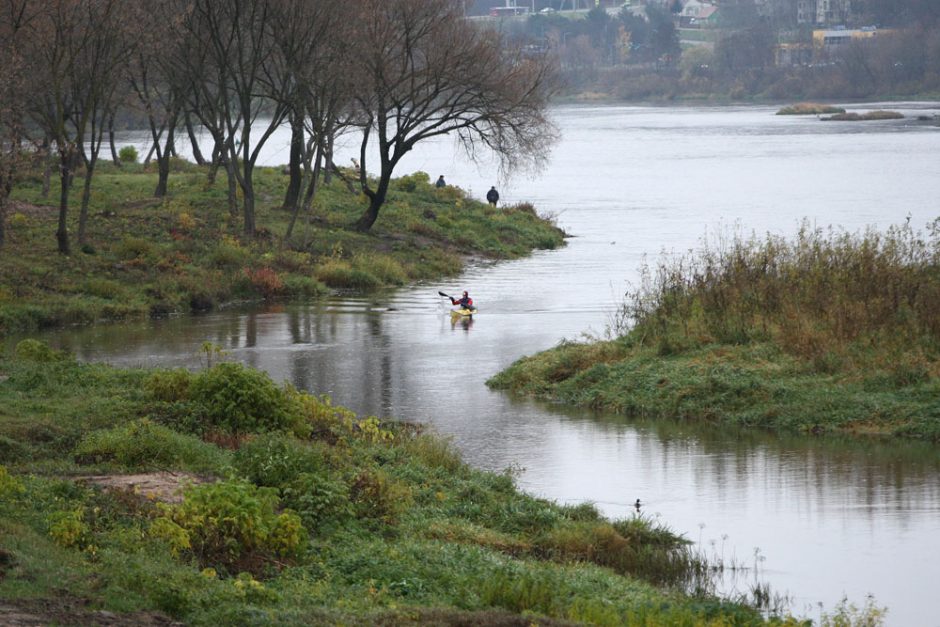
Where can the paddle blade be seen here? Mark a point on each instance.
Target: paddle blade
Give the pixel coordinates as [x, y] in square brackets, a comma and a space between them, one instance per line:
[443, 294]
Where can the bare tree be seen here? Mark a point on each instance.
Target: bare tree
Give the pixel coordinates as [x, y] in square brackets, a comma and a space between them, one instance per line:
[313, 48]
[15, 16]
[71, 69]
[248, 84]
[97, 88]
[153, 69]
[426, 72]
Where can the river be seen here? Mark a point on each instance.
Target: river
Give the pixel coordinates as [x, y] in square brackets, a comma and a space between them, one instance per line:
[823, 518]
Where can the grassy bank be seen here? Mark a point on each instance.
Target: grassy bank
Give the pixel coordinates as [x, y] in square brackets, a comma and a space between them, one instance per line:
[827, 332]
[295, 512]
[149, 257]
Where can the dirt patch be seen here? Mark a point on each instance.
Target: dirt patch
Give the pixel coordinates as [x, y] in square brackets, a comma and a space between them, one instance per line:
[32, 612]
[157, 486]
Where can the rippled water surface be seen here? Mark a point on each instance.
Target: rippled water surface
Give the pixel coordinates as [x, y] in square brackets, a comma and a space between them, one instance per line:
[826, 518]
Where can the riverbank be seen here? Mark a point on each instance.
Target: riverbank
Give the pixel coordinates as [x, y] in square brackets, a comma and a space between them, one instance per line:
[120, 488]
[827, 332]
[155, 257]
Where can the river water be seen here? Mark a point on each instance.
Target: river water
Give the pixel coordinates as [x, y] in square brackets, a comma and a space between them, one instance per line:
[821, 518]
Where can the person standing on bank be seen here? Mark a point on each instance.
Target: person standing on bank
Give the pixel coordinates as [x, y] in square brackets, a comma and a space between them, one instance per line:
[440, 182]
[492, 196]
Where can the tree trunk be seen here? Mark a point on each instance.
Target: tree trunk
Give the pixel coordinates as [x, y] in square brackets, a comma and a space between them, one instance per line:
[197, 154]
[376, 200]
[3, 221]
[47, 168]
[309, 194]
[232, 190]
[163, 175]
[153, 148]
[217, 159]
[65, 176]
[86, 197]
[114, 155]
[248, 203]
[163, 167]
[328, 159]
[292, 196]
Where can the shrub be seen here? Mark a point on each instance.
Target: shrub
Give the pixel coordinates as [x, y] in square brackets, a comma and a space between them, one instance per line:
[186, 221]
[275, 460]
[378, 497]
[237, 399]
[318, 418]
[229, 254]
[9, 485]
[318, 499]
[144, 444]
[302, 286]
[340, 273]
[435, 452]
[134, 248]
[69, 529]
[18, 221]
[384, 268]
[127, 154]
[584, 512]
[169, 385]
[522, 591]
[292, 260]
[265, 281]
[103, 288]
[412, 182]
[231, 525]
[34, 350]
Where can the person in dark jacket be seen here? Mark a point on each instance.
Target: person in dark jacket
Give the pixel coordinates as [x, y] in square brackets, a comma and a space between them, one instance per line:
[440, 182]
[464, 301]
[492, 196]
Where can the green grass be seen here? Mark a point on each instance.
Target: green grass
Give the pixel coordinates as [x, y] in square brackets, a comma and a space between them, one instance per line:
[149, 257]
[823, 333]
[395, 527]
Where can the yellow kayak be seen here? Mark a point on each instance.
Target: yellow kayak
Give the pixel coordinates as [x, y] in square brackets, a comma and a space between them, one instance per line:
[462, 313]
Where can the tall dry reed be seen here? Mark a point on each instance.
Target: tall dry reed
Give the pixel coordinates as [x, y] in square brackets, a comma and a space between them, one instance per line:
[823, 294]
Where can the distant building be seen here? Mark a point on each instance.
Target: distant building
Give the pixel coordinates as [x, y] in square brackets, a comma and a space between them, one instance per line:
[823, 11]
[829, 40]
[696, 14]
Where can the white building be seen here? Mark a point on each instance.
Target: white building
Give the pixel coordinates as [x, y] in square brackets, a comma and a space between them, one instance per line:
[823, 11]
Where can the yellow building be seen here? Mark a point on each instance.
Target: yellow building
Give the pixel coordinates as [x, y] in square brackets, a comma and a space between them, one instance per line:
[829, 39]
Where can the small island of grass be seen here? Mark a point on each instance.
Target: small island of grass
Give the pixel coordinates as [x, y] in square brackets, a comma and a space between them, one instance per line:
[824, 333]
[809, 108]
[864, 117]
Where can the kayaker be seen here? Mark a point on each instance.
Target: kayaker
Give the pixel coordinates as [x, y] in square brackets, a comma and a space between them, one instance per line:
[465, 301]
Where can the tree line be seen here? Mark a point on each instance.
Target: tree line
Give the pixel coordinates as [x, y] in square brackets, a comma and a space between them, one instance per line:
[392, 72]
[636, 55]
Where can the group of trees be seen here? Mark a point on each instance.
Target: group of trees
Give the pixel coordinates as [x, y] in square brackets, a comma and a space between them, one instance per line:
[601, 39]
[394, 71]
[636, 54]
